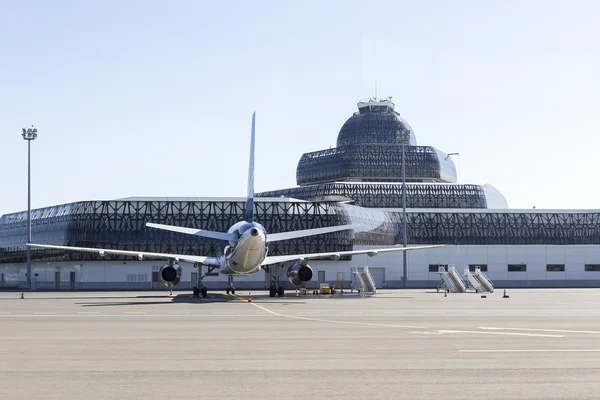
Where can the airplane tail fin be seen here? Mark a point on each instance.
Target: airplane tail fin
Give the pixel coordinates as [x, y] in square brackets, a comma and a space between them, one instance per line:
[249, 214]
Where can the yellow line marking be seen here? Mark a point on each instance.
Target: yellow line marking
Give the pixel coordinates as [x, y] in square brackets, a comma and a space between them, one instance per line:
[530, 351]
[331, 321]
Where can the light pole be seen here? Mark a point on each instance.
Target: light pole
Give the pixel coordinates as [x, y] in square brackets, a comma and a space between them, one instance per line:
[29, 135]
[404, 236]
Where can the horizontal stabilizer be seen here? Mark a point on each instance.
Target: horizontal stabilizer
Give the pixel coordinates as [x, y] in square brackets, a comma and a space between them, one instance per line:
[193, 231]
[139, 254]
[276, 237]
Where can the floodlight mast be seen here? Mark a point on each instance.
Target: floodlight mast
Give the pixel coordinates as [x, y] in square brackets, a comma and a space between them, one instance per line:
[29, 134]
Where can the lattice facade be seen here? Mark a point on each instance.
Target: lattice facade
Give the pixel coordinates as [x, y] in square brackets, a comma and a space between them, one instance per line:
[501, 228]
[369, 149]
[389, 195]
[373, 163]
[375, 125]
[121, 225]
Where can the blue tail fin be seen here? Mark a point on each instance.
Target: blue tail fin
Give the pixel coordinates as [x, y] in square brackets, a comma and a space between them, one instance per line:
[250, 197]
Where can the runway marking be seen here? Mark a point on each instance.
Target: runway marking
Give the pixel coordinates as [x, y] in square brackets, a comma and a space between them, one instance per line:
[330, 321]
[539, 330]
[531, 351]
[45, 312]
[88, 312]
[134, 312]
[442, 331]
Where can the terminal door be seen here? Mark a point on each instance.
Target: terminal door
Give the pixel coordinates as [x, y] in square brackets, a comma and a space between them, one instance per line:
[156, 284]
[72, 280]
[321, 277]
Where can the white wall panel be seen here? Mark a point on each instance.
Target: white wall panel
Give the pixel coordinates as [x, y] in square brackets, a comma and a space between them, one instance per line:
[556, 276]
[497, 257]
[516, 254]
[497, 271]
[496, 254]
[555, 254]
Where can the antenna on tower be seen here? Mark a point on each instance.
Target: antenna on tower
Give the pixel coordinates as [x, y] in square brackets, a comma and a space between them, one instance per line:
[375, 90]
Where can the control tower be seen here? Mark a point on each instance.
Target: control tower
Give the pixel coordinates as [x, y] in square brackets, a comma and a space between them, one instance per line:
[365, 167]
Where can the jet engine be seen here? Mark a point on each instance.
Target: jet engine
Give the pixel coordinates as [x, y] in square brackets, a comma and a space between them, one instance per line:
[299, 273]
[170, 275]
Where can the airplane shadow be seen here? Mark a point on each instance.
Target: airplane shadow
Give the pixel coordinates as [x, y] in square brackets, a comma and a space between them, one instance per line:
[181, 298]
[166, 299]
[94, 297]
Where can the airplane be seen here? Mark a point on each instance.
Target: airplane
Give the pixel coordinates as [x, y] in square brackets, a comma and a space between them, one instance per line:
[247, 248]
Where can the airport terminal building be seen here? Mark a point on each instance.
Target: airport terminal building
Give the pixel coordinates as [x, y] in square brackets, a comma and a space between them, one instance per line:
[359, 181]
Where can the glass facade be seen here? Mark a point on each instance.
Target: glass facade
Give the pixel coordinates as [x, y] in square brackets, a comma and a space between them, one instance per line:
[389, 195]
[364, 171]
[501, 228]
[375, 126]
[121, 225]
[374, 163]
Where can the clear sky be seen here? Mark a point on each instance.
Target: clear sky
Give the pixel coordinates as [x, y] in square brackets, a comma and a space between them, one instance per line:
[154, 98]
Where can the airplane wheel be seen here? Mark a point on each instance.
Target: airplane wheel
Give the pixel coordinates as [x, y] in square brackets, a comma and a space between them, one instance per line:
[281, 292]
[204, 292]
[227, 290]
[272, 292]
[232, 290]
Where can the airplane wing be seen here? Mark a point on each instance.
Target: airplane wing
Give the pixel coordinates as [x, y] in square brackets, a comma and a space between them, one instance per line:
[336, 255]
[193, 231]
[138, 254]
[275, 237]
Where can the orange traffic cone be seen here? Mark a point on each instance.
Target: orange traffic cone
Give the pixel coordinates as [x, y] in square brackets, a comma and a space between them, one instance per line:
[249, 297]
[171, 292]
[296, 292]
[505, 295]
[22, 295]
[446, 293]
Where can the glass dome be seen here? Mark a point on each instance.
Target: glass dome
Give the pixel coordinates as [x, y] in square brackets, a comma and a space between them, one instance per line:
[376, 122]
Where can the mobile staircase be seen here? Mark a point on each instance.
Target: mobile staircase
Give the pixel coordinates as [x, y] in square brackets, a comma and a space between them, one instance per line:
[479, 281]
[366, 281]
[451, 280]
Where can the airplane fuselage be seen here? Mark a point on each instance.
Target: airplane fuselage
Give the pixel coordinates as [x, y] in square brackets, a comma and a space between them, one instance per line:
[245, 255]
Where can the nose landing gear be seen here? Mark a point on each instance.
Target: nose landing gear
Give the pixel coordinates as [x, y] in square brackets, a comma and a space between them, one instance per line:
[230, 287]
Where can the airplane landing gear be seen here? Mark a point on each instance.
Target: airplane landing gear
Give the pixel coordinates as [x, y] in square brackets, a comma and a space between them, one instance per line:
[274, 288]
[200, 289]
[230, 287]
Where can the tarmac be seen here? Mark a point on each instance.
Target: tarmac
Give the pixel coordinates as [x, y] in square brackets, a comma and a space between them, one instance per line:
[396, 344]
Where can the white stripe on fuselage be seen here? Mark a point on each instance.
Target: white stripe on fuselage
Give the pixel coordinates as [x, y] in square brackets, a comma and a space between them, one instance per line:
[248, 255]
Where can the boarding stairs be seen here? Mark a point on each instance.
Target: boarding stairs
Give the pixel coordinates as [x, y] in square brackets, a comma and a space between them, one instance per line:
[479, 281]
[366, 280]
[451, 280]
[339, 282]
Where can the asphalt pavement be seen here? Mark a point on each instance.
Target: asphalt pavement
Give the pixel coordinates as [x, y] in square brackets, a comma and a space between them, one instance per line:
[397, 344]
